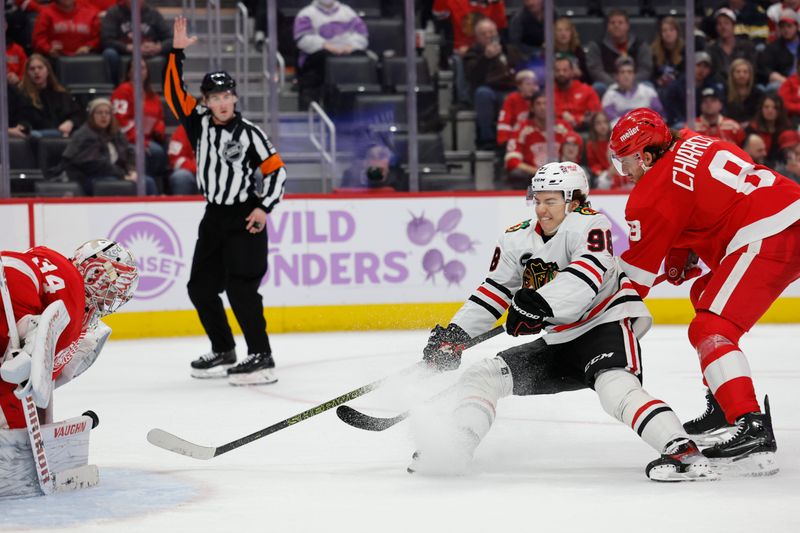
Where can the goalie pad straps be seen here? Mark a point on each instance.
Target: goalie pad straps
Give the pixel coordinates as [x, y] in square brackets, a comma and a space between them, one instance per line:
[622, 396]
[40, 343]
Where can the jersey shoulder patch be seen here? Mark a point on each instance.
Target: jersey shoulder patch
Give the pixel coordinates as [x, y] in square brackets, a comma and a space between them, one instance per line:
[586, 210]
[522, 225]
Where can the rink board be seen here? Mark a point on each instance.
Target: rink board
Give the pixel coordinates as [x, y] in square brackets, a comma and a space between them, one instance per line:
[335, 262]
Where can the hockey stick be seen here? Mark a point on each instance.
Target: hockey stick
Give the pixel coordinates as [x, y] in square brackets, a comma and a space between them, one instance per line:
[46, 481]
[168, 441]
[359, 420]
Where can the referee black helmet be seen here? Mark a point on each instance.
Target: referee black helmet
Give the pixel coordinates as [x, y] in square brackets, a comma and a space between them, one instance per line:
[218, 82]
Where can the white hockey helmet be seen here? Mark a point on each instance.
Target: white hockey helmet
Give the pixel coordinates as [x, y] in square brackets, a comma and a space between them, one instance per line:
[109, 273]
[565, 177]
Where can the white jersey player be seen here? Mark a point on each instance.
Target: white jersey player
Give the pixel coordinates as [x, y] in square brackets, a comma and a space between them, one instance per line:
[557, 273]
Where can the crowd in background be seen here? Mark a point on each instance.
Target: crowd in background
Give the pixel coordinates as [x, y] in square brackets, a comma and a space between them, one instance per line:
[745, 74]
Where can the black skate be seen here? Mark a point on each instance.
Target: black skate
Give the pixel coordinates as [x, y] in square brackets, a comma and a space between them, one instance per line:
[711, 427]
[681, 461]
[751, 450]
[257, 369]
[213, 364]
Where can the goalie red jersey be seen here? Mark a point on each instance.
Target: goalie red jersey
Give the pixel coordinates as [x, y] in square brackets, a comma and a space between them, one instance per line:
[706, 195]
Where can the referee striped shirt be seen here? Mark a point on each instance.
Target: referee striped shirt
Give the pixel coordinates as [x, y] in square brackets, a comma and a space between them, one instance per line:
[236, 162]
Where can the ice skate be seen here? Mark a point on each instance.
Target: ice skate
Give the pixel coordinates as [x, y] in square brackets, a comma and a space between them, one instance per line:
[751, 450]
[449, 455]
[213, 364]
[681, 461]
[711, 427]
[257, 369]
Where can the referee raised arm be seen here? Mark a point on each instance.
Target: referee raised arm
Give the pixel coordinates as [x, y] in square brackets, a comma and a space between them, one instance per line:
[242, 178]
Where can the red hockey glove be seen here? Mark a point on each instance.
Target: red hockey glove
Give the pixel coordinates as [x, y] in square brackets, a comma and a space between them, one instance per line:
[681, 265]
[527, 313]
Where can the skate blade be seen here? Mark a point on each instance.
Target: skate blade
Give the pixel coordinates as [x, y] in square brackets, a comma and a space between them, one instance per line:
[670, 474]
[217, 372]
[754, 465]
[705, 440]
[259, 377]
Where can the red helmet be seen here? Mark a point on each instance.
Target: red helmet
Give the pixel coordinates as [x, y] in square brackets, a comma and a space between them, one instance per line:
[637, 130]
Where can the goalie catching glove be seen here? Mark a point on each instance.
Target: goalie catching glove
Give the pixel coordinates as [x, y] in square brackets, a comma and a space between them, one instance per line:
[444, 348]
[527, 313]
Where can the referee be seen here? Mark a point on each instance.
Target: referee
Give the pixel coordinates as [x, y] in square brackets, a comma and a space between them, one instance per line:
[242, 178]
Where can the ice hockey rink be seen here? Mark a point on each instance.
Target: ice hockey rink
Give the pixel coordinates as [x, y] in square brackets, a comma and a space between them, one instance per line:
[556, 463]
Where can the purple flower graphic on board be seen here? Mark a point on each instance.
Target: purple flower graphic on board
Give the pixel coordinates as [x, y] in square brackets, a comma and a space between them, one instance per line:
[157, 249]
[421, 231]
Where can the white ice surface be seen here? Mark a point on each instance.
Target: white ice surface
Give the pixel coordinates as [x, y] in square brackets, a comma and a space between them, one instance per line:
[550, 464]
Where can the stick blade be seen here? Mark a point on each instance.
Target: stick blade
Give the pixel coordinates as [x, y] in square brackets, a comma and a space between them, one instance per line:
[359, 420]
[169, 442]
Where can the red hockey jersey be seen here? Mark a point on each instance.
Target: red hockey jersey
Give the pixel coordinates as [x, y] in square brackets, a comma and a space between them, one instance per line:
[181, 152]
[512, 116]
[153, 113]
[706, 195]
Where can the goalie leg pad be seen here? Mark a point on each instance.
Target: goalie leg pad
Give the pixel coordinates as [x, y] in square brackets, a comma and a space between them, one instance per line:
[622, 396]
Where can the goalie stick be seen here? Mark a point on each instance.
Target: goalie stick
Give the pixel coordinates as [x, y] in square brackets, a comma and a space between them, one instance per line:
[168, 441]
[359, 420]
[46, 480]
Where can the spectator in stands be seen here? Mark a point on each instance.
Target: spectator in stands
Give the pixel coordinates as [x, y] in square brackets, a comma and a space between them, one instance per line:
[669, 54]
[515, 108]
[790, 147]
[728, 46]
[743, 94]
[374, 170]
[779, 58]
[49, 109]
[182, 162]
[66, 28]
[604, 175]
[527, 150]
[712, 123]
[675, 95]
[756, 148]
[627, 93]
[153, 127]
[769, 122]
[14, 106]
[15, 60]
[116, 38]
[601, 57]
[751, 20]
[99, 152]
[526, 29]
[464, 14]
[567, 42]
[790, 94]
[572, 149]
[322, 29]
[488, 68]
[575, 101]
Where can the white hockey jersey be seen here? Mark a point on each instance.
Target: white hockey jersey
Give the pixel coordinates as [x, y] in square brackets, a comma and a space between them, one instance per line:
[575, 271]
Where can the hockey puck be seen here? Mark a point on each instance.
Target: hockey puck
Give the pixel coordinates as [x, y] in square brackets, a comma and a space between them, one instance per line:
[93, 416]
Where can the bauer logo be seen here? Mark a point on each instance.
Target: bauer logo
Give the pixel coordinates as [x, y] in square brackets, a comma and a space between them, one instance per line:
[156, 248]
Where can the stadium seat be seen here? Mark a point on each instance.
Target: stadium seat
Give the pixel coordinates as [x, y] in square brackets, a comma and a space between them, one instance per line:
[384, 110]
[430, 152]
[346, 77]
[85, 74]
[58, 189]
[394, 73]
[23, 166]
[115, 188]
[386, 37]
[49, 156]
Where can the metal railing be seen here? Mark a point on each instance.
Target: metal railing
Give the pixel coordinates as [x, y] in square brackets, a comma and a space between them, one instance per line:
[214, 34]
[327, 154]
[190, 6]
[279, 77]
[242, 50]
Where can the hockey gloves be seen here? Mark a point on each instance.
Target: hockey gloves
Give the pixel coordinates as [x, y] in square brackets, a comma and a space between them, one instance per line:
[527, 313]
[444, 348]
[681, 265]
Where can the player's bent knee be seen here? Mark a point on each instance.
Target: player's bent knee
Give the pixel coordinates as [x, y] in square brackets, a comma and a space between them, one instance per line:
[708, 330]
[490, 379]
[616, 389]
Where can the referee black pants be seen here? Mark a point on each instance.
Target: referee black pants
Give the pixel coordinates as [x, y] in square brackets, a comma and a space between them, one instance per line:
[229, 258]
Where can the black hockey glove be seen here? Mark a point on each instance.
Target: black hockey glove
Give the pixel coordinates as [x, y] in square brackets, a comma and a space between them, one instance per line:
[444, 348]
[527, 313]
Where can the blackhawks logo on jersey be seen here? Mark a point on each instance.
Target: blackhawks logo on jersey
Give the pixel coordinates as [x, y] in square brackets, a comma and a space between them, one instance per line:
[516, 227]
[586, 210]
[537, 273]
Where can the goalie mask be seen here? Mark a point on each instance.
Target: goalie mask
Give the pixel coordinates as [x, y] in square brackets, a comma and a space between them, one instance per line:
[566, 177]
[109, 274]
